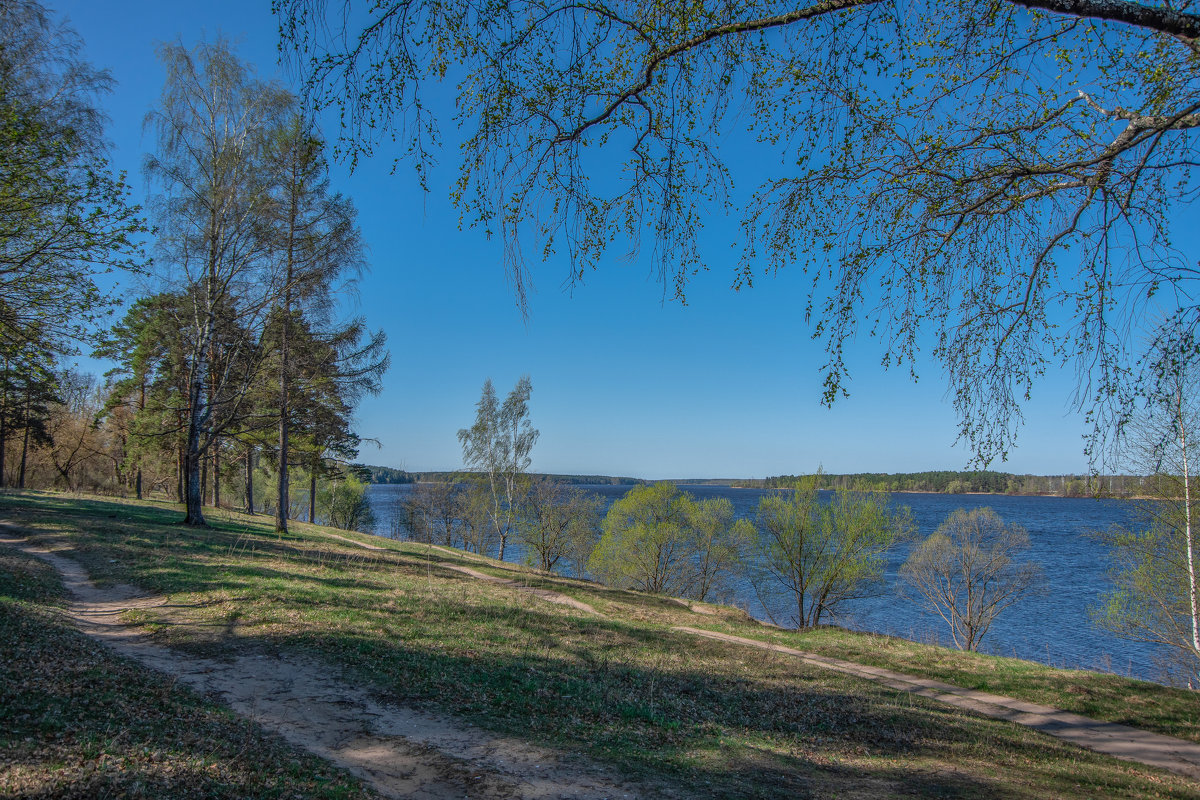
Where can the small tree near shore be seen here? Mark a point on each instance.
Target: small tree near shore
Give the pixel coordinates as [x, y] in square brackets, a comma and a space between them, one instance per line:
[497, 446]
[965, 572]
[555, 521]
[824, 554]
[660, 539]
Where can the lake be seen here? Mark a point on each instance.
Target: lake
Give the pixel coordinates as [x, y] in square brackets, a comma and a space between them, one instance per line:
[1053, 628]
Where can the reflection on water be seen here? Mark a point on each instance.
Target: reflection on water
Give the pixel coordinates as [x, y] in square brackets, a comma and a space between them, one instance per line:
[1053, 628]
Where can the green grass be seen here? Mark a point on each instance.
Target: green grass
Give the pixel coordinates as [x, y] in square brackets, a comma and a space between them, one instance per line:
[716, 719]
[76, 721]
[1175, 712]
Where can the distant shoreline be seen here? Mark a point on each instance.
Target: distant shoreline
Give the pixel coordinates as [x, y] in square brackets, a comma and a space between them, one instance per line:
[947, 494]
[685, 486]
[983, 482]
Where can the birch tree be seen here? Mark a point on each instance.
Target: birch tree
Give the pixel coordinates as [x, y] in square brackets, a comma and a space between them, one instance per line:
[1000, 184]
[212, 124]
[497, 446]
[1155, 597]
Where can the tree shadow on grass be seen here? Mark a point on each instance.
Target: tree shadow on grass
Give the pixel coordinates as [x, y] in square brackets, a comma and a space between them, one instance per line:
[725, 721]
[773, 728]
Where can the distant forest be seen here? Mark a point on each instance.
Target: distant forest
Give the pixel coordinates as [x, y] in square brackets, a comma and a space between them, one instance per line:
[941, 481]
[984, 481]
[391, 475]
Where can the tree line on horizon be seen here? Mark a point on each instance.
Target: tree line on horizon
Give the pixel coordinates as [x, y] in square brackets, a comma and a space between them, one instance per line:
[974, 482]
[394, 476]
[940, 481]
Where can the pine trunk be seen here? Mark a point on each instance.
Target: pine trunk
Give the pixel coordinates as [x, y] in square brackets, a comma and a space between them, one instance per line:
[216, 462]
[312, 495]
[250, 481]
[24, 446]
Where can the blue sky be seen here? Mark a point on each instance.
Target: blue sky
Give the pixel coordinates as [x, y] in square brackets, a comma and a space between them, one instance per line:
[623, 383]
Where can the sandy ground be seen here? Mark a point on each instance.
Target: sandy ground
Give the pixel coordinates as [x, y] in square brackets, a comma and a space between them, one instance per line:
[1122, 741]
[548, 595]
[401, 752]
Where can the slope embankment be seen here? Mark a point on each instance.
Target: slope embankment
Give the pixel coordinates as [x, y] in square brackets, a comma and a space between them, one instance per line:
[404, 655]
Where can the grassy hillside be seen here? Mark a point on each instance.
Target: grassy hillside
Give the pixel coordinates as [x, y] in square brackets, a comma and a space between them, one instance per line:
[717, 719]
[77, 721]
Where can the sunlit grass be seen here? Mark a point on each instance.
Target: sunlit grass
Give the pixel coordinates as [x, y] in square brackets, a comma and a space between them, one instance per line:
[76, 721]
[719, 719]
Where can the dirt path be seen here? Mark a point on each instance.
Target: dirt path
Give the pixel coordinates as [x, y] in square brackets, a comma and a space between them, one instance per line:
[1122, 741]
[401, 752]
[546, 594]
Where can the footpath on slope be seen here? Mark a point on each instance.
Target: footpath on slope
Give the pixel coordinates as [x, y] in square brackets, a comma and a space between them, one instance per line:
[546, 594]
[400, 752]
[1110, 738]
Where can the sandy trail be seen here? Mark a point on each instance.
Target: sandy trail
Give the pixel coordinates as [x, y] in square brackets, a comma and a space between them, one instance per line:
[546, 594]
[401, 752]
[1122, 741]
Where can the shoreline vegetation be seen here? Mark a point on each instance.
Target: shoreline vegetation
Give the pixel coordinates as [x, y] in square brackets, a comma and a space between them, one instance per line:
[712, 718]
[1130, 487]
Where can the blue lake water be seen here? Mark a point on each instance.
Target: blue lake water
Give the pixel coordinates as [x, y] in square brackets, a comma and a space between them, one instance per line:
[1053, 627]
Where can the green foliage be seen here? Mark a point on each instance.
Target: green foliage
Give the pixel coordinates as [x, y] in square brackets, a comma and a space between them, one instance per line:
[643, 541]
[659, 539]
[823, 554]
[719, 544]
[1150, 599]
[343, 504]
[1156, 593]
[64, 216]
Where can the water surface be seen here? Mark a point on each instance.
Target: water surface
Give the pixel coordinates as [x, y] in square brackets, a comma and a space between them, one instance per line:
[1054, 627]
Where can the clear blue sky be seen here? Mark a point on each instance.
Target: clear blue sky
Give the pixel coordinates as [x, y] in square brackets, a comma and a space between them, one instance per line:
[623, 383]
